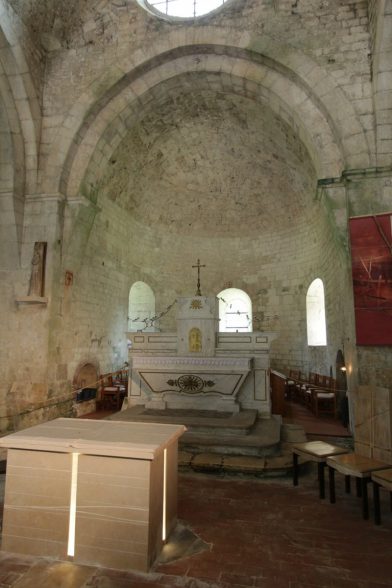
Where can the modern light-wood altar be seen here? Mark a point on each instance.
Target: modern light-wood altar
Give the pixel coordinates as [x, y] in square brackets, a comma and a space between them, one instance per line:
[97, 492]
[199, 368]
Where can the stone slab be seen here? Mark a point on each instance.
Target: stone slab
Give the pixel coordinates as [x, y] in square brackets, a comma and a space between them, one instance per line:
[244, 463]
[102, 437]
[207, 461]
[190, 418]
[236, 434]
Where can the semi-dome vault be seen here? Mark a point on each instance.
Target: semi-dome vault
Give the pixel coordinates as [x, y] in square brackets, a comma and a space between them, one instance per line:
[208, 163]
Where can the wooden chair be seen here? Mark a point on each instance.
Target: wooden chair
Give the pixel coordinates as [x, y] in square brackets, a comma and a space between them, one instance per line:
[303, 387]
[324, 398]
[300, 387]
[109, 392]
[305, 390]
[307, 393]
[120, 380]
[291, 383]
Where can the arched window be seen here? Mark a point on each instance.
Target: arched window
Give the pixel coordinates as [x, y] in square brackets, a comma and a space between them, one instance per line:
[141, 307]
[235, 311]
[315, 314]
[181, 8]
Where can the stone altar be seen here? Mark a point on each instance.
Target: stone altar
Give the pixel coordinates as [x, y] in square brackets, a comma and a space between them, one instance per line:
[97, 492]
[198, 367]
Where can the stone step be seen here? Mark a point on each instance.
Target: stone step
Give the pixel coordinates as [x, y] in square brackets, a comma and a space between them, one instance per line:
[264, 450]
[262, 440]
[206, 422]
[275, 465]
[236, 434]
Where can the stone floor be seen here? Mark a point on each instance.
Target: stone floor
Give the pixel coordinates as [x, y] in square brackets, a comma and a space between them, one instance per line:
[256, 532]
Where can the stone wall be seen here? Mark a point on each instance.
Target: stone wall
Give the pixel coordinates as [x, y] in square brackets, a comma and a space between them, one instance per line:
[166, 142]
[373, 422]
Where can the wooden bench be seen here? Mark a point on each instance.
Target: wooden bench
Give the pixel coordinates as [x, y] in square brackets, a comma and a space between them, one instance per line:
[381, 478]
[317, 451]
[357, 466]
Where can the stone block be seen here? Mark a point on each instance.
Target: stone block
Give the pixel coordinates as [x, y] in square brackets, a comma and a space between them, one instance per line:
[293, 433]
[207, 461]
[184, 458]
[244, 463]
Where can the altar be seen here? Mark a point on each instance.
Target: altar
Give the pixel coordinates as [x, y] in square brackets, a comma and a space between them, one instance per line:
[95, 492]
[199, 367]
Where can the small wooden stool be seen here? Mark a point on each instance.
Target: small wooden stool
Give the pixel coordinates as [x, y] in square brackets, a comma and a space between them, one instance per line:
[381, 478]
[358, 466]
[317, 451]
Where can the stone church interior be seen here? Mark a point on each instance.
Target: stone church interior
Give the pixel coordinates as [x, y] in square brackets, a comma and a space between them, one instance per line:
[196, 293]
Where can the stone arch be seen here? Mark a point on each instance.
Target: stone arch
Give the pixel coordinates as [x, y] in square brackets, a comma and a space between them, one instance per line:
[19, 137]
[308, 92]
[25, 100]
[11, 178]
[86, 375]
[381, 19]
[10, 140]
[326, 160]
[261, 82]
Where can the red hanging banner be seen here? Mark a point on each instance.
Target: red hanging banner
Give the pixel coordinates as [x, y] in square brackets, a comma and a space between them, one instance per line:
[371, 254]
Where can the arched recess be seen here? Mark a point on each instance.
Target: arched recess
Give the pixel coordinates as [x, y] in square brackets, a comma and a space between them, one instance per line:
[141, 307]
[235, 311]
[85, 376]
[315, 314]
[313, 102]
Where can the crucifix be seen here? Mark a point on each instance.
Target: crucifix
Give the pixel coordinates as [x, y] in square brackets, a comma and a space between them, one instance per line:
[198, 293]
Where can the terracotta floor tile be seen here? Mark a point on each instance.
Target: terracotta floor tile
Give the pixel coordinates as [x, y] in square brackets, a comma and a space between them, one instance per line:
[48, 575]
[262, 533]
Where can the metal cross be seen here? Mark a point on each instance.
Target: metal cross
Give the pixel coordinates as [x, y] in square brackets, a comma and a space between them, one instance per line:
[198, 293]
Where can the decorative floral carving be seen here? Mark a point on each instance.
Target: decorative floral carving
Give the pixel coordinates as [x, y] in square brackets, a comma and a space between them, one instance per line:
[196, 304]
[191, 384]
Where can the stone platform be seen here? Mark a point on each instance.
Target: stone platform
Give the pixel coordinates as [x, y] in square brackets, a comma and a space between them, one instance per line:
[223, 433]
